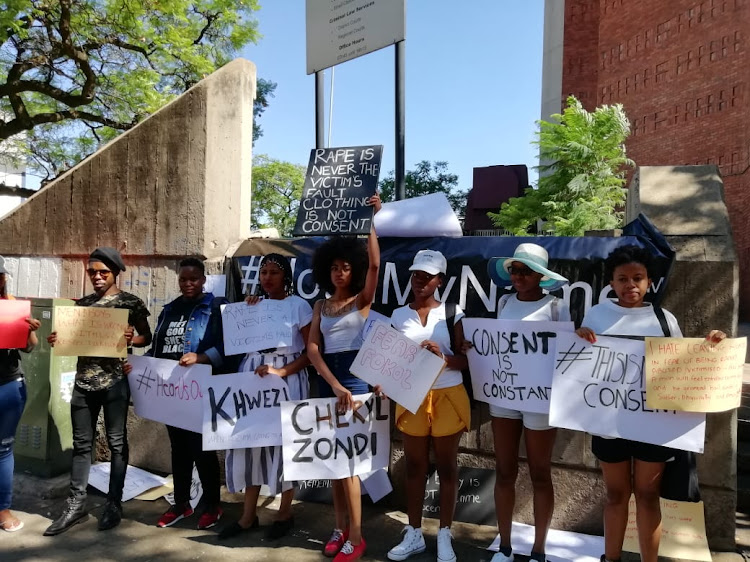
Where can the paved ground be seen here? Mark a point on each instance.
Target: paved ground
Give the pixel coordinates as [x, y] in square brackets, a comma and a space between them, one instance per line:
[138, 540]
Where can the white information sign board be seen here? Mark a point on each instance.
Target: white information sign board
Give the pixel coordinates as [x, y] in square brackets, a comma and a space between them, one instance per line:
[341, 30]
[600, 388]
[511, 361]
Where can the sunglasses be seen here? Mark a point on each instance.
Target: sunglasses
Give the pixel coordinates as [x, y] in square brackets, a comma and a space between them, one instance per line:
[520, 271]
[103, 272]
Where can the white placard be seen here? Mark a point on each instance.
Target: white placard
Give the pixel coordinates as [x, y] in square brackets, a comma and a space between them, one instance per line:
[321, 444]
[241, 411]
[165, 392]
[264, 325]
[511, 361]
[600, 388]
[404, 370]
[196, 490]
[137, 480]
[406, 218]
[216, 284]
[373, 317]
[561, 546]
[346, 29]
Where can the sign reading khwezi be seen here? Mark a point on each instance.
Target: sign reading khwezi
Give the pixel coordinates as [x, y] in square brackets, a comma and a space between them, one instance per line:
[338, 183]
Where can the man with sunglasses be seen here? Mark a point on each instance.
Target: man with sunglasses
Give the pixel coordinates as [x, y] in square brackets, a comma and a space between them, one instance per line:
[100, 384]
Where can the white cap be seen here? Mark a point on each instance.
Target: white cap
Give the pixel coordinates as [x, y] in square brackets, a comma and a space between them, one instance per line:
[429, 261]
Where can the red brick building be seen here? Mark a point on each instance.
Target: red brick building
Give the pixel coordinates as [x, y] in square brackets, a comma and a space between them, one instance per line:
[681, 69]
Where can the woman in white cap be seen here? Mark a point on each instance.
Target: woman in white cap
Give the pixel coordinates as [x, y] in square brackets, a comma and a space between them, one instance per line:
[527, 271]
[445, 412]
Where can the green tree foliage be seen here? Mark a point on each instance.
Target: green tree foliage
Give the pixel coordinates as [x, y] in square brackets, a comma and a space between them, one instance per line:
[582, 178]
[264, 89]
[427, 177]
[276, 193]
[76, 73]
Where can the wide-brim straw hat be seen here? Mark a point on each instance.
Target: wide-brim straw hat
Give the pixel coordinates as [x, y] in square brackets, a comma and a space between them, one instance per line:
[531, 255]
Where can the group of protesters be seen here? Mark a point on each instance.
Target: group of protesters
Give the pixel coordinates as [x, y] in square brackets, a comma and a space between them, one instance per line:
[327, 337]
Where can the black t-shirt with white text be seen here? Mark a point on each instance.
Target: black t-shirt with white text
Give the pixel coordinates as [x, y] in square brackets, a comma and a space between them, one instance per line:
[169, 340]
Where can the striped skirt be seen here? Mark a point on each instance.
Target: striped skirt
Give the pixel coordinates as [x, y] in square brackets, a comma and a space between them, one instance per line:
[264, 465]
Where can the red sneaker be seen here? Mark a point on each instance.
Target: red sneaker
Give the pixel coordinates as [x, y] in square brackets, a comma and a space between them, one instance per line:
[334, 544]
[173, 515]
[349, 552]
[209, 518]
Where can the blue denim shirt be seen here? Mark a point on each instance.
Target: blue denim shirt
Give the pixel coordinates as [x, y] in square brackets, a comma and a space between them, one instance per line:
[203, 333]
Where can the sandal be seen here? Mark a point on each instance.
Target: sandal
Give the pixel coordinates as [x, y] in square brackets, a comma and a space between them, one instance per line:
[12, 524]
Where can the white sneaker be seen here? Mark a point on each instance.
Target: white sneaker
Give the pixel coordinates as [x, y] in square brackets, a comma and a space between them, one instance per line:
[500, 557]
[412, 543]
[445, 546]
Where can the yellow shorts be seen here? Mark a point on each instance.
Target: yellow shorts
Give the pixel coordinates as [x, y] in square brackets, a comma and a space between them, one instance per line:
[445, 411]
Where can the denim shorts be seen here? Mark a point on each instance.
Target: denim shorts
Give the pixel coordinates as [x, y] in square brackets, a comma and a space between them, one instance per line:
[339, 364]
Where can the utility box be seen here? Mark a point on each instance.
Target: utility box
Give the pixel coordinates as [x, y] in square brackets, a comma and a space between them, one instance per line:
[44, 440]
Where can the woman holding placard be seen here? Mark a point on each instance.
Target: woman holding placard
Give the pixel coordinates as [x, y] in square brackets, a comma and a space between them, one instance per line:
[631, 467]
[12, 403]
[251, 468]
[189, 331]
[348, 271]
[527, 271]
[444, 414]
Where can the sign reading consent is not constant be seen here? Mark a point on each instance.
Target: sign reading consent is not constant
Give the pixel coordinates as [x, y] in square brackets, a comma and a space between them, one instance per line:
[241, 410]
[511, 361]
[90, 331]
[338, 183]
[405, 371]
[252, 327]
[600, 388]
[693, 375]
[319, 443]
[165, 392]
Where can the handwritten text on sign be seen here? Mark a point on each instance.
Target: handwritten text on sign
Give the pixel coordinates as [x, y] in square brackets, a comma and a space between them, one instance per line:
[14, 330]
[165, 392]
[241, 410]
[320, 443]
[338, 183]
[254, 327]
[511, 361]
[405, 371]
[600, 388]
[693, 375]
[683, 534]
[90, 331]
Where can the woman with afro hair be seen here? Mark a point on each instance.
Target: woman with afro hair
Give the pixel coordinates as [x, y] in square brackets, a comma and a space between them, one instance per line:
[348, 271]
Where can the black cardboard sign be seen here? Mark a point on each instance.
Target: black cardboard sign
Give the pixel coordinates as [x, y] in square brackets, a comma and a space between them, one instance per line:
[475, 501]
[338, 183]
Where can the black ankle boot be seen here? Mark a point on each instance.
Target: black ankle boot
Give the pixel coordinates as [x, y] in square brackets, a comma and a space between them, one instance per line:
[111, 515]
[75, 512]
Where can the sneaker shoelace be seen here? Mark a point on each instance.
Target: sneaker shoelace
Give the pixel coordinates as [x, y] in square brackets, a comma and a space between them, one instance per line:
[336, 536]
[348, 548]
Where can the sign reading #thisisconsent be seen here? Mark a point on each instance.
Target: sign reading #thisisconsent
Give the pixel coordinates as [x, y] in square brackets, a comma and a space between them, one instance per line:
[511, 361]
[600, 388]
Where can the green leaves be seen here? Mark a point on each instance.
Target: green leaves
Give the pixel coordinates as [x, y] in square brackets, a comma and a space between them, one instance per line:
[427, 177]
[581, 175]
[276, 193]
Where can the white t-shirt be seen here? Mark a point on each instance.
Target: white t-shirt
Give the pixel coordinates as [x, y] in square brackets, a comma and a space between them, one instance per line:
[406, 320]
[548, 308]
[611, 319]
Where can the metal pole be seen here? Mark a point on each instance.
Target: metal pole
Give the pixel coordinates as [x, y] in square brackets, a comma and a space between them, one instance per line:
[400, 121]
[330, 109]
[320, 133]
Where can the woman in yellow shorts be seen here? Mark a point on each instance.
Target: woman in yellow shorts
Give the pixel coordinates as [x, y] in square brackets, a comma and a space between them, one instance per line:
[443, 416]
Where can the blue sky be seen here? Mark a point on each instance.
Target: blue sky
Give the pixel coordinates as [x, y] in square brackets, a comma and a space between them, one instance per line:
[473, 85]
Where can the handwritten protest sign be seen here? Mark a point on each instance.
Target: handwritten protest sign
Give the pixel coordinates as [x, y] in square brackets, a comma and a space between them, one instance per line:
[165, 392]
[90, 331]
[137, 480]
[405, 371]
[601, 388]
[373, 317]
[14, 330]
[693, 375]
[319, 443]
[241, 410]
[511, 361]
[254, 327]
[683, 533]
[338, 183]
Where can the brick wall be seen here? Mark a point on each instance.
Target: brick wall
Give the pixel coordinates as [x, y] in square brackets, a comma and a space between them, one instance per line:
[681, 69]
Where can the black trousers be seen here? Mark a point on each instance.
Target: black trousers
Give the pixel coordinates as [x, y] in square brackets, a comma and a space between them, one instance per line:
[84, 411]
[187, 448]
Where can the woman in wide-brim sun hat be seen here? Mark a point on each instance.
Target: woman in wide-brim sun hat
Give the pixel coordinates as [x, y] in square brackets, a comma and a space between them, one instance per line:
[528, 271]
